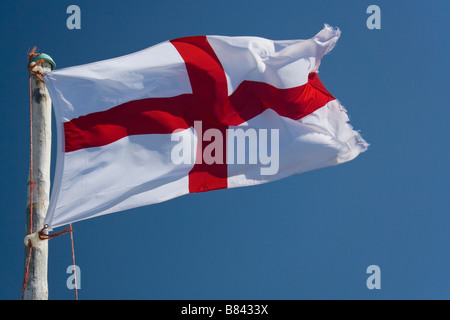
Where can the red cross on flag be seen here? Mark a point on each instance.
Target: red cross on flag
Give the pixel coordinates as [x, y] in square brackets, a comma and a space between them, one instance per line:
[191, 115]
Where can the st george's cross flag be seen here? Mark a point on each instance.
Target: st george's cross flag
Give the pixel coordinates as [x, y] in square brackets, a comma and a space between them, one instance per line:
[190, 115]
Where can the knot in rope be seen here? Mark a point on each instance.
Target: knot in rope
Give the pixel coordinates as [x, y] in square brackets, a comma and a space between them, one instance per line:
[34, 66]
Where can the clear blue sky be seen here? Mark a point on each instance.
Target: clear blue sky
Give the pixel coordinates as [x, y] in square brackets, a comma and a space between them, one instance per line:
[310, 236]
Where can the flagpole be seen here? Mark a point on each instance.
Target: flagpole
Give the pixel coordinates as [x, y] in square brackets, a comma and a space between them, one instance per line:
[35, 286]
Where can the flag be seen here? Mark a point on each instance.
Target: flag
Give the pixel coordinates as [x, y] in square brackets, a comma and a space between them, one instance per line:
[190, 115]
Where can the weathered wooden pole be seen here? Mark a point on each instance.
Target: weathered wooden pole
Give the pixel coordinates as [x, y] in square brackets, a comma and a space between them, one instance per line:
[36, 252]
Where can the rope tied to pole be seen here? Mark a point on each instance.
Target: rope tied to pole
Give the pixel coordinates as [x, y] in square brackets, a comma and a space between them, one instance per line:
[33, 65]
[29, 243]
[32, 240]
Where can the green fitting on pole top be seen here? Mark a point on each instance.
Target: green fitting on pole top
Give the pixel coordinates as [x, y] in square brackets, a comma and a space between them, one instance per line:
[46, 58]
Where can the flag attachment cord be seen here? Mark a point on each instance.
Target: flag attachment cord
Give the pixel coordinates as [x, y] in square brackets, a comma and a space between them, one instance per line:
[33, 66]
[33, 240]
[43, 235]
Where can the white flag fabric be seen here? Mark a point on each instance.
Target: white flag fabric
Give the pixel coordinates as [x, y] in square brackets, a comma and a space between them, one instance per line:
[190, 115]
